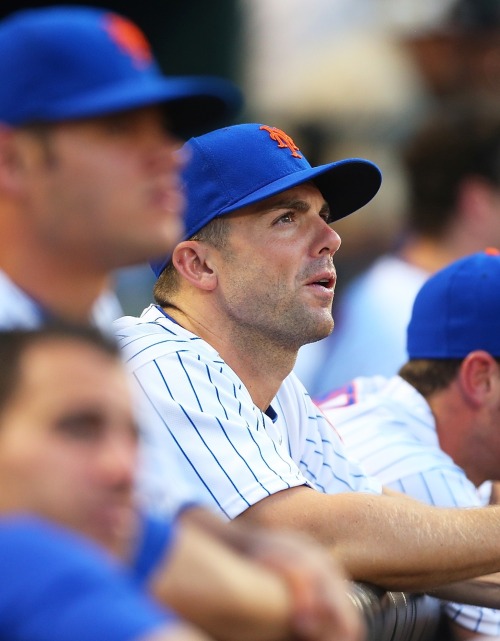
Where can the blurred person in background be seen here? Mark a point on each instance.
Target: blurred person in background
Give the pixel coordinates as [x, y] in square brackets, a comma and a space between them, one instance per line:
[89, 178]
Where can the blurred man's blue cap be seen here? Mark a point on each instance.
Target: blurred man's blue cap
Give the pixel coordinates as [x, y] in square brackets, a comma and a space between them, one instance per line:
[237, 166]
[67, 62]
[457, 310]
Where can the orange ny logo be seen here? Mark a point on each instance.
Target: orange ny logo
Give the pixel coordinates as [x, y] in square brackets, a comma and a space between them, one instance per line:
[283, 140]
[129, 38]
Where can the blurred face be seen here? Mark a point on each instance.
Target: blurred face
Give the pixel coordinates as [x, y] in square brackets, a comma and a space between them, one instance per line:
[68, 442]
[104, 191]
[276, 275]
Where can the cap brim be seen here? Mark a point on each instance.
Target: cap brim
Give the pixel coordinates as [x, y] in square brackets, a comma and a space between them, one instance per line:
[347, 185]
[194, 105]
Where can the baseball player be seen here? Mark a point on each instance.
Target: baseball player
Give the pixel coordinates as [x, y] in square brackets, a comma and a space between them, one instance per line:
[432, 431]
[251, 282]
[256, 466]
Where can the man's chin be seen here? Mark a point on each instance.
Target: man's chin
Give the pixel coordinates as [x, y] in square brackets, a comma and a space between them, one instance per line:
[117, 531]
[319, 331]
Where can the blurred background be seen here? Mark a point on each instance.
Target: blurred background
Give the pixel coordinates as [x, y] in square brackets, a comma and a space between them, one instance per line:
[343, 78]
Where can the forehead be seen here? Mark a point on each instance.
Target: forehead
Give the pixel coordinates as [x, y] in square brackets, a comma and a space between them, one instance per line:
[302, 196]
[65, 370]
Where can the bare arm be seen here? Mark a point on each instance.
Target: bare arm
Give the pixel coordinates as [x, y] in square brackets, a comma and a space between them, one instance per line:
[233, 598]
[399, 544]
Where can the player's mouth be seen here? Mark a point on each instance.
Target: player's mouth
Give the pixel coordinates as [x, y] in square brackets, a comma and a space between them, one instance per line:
[325, 280]
[169, 199]
[323, 284]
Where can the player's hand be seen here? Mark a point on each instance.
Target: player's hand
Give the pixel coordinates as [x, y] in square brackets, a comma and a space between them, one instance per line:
[323, 610]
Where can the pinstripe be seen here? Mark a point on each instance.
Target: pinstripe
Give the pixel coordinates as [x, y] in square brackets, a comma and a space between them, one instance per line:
[178, 354]
[186, 457]
[198, 432]
[217, 393]
[312, 477]
[266, 463]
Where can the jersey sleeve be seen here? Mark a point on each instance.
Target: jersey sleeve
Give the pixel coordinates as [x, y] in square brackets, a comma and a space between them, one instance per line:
[57, 587]
[202, 417]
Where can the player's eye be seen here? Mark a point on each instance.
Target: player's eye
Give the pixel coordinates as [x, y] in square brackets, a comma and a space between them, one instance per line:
[80, 425]
[287, 218]
[326, 214]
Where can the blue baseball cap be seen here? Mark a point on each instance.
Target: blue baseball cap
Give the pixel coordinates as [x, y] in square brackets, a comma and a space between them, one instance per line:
[240, 165]
[68, 62]
[458, 310]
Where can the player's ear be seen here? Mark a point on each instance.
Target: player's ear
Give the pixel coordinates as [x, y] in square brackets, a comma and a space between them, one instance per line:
[191, 258]
[479, 377]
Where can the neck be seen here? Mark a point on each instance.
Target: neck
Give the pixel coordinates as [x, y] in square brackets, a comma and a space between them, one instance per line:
[62, 288]
[426, 253]
[261, 365]
[456, 425]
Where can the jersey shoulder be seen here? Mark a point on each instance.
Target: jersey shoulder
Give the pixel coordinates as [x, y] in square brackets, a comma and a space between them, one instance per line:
[154, 335]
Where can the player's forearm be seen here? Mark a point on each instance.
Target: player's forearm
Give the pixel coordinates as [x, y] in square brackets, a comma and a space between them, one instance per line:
[403, 546]
[222, 593]
[398, 544]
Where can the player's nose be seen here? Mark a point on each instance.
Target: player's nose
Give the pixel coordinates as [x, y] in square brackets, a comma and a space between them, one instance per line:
[327, 241]
[117, 461]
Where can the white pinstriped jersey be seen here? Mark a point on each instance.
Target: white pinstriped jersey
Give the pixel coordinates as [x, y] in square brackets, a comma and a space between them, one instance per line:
[389, 427]
[233, 454]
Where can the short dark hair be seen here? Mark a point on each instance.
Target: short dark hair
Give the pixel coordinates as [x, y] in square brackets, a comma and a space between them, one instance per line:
[448, 148]
[14, 344]
[214, 233]
[430, 375]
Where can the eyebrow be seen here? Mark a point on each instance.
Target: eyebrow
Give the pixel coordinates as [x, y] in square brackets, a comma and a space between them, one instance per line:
[292, 203]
